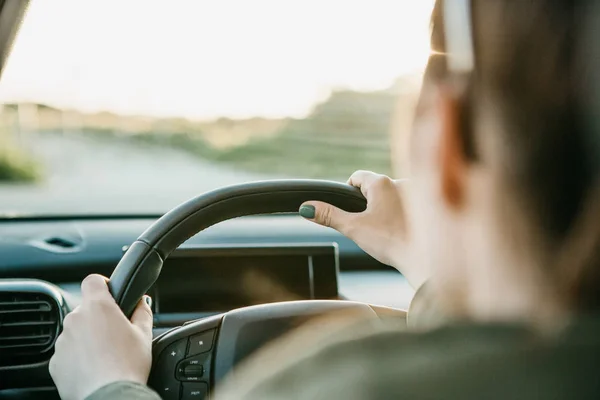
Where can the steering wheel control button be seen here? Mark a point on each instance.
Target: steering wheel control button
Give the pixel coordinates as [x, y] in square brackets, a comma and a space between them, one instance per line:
[172, 354]
[169, 391]
[194, 391]
[193, 371]
[194, 368]
[201, 343]
[176, 351]
[163, 376]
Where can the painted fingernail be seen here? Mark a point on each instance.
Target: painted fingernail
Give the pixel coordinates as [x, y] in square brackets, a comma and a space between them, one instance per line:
[148, 300]
[307, 211]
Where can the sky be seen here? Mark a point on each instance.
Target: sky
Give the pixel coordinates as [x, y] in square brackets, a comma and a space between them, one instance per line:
[204, 59]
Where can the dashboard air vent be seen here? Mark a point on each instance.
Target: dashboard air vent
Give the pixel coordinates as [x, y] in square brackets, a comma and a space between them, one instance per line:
[30, 321]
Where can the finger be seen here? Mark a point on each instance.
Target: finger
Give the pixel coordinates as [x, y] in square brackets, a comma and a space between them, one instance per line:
[142, 316]
[53, 367]
[363, 180]
[68, 320]
[327, 215]
[94, 288]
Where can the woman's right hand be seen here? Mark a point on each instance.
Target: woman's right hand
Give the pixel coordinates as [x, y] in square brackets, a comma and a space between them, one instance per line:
[382, 230]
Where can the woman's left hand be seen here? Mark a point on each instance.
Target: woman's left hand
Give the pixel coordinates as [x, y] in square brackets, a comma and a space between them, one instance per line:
[99, 345]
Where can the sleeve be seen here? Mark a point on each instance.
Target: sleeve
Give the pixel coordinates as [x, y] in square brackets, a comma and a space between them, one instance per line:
[124, 390]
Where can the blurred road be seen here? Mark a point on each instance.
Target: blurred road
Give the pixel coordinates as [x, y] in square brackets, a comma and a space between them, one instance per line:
[99, 176]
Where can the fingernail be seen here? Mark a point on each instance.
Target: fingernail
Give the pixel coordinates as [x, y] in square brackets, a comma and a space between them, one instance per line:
[307, 211]
[148, 300]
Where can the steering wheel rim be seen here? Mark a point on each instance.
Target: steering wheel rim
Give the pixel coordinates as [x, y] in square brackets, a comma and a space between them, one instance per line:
[141, 264]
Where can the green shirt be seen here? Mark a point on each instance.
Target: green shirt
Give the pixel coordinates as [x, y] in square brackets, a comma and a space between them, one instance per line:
[454, 362]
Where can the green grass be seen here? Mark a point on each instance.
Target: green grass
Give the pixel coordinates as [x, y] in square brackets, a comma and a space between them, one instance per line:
[306, 159]
[16, 166]
[283, 154]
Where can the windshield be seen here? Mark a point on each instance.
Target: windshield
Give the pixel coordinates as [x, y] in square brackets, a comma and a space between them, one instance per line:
[131, 107]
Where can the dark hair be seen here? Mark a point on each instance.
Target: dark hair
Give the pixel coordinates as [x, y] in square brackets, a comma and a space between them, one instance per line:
[538, 64]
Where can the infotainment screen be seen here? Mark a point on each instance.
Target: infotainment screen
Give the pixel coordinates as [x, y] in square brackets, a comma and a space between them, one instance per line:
[223, 278]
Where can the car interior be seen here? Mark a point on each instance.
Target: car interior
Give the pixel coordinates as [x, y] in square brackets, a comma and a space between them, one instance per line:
[208, 319]
[228, 271]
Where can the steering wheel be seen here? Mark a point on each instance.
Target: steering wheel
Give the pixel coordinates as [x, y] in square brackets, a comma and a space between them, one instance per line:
[189, 360]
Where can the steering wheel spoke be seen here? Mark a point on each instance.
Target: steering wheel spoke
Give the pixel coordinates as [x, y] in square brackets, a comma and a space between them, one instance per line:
[190, 360]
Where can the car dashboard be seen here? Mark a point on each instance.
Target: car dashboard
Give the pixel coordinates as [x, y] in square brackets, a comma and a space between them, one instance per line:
[237, 263]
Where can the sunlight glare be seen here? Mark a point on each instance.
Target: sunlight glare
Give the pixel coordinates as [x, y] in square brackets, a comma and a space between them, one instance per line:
[205, 59]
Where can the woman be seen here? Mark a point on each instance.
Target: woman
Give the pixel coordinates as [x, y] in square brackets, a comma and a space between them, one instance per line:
[498, 229]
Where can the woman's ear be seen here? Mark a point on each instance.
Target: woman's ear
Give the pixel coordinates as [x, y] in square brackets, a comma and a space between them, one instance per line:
[453, 162]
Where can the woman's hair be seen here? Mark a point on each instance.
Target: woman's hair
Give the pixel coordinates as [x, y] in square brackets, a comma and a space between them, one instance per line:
[538, 68]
